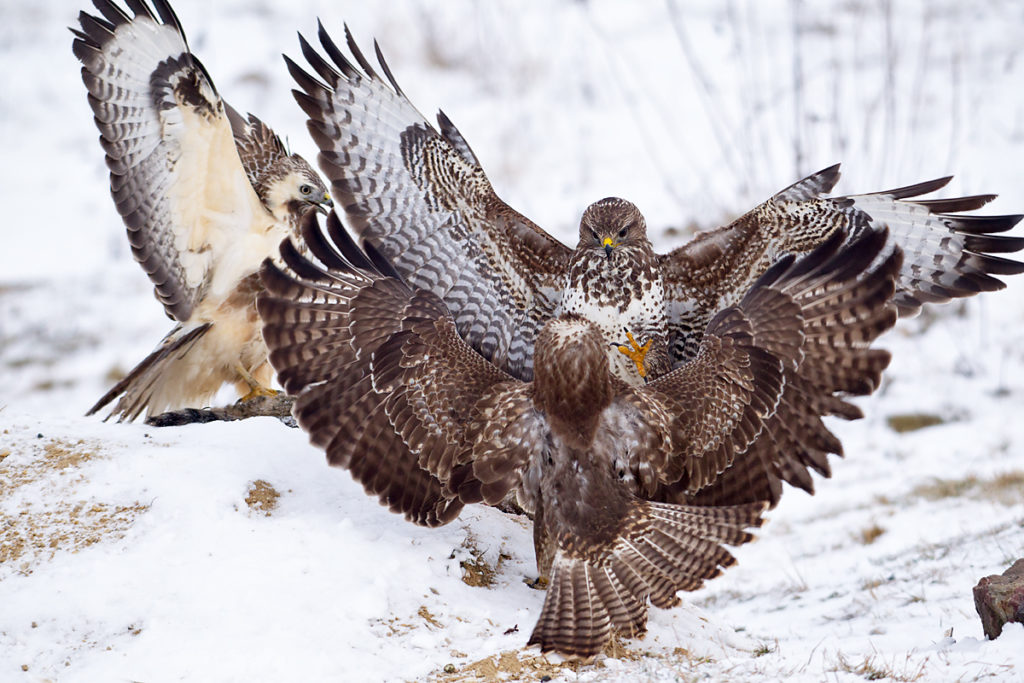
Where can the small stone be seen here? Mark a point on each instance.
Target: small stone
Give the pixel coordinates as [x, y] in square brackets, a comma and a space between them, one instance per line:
[1000, 599]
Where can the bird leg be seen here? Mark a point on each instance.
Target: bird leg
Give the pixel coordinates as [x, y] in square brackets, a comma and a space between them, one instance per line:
[636, 353]
[256, 387]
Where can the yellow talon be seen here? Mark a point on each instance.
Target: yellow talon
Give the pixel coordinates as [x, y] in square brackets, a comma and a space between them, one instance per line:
[637, 353]
[256, 388]
[257, 391]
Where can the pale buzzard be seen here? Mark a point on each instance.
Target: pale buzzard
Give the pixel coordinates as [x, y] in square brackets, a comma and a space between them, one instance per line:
[388, 387]
[205, 193]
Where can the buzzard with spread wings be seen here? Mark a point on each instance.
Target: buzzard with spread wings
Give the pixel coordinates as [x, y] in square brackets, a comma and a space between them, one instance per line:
[388, 387]
[419, 195]
[206, 195]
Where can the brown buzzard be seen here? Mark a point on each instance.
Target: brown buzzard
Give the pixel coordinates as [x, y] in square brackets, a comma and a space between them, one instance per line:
[419, 196]
[388, 387]
[206, 195]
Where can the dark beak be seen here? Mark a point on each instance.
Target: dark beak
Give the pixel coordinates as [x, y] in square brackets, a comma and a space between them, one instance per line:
[608, 250]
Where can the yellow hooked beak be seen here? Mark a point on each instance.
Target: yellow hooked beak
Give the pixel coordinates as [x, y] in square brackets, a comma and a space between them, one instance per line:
[608, 246]
[324, 205]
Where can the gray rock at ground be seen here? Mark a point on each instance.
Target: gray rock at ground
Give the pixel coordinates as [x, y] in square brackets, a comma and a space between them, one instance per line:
[1000, 599]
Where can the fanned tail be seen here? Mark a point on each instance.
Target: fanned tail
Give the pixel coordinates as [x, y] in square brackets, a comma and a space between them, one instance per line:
[662, 549]
[144, 387]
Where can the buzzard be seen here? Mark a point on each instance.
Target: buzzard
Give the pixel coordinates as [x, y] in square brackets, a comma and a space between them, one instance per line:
[419, 195]
[206, 195]
[388, 387]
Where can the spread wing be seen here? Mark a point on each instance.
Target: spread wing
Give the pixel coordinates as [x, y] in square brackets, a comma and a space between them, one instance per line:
[385, 384]
[845, 298]
[419, 195]
[733, 441]
[946, 255]
[699, 416]
[712, 406]
[175, 175]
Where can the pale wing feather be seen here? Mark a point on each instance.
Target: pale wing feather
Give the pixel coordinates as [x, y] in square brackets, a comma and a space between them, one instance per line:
[947, 255]
[421, 198]
[194, 221]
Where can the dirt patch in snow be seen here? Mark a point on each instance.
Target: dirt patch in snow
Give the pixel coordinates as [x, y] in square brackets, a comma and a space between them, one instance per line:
[42, 512]
[1004, 488]
[262, 497]
[530, 665]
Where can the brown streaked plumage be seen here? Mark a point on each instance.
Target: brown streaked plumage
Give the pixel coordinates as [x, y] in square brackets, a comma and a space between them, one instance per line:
[614, 280]
[389, 389]
[205, 194]
[419, 195]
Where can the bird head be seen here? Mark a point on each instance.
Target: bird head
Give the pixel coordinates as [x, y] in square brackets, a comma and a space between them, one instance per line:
[611, 225]
[292, 188]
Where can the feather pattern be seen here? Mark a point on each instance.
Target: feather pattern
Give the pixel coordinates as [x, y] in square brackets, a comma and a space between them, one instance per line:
[419, 196]
[205, 196]
[946, 255]
[389, 389]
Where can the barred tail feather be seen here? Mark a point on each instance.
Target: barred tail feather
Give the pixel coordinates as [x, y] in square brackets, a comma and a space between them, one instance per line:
[148, 385]
[663, 549]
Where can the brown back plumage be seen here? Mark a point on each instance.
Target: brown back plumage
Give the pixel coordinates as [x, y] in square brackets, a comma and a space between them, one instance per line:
[390, 390]
[421, 197]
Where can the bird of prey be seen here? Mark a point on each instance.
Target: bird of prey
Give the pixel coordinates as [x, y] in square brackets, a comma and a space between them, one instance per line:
[388, 387]
[206, 195]
[419, 195]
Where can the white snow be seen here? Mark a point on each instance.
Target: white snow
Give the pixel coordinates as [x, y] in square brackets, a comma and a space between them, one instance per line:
[130, 553]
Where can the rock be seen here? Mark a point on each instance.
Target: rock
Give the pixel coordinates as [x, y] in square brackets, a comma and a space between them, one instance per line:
[1000, 599]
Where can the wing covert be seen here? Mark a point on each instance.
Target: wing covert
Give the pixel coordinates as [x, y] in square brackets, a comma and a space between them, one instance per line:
[420, 197]
[946, 255]
[175, 175]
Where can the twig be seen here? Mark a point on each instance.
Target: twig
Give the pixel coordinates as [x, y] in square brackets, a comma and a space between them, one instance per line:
[279, 406]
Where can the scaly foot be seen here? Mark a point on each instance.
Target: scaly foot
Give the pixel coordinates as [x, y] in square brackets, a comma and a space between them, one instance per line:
[255, 388]
[257, 391]
[636, 353]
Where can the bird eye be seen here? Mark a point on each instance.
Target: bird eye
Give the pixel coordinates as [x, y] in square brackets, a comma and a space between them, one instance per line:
[593, 233]
[305, 189]
[622, 233]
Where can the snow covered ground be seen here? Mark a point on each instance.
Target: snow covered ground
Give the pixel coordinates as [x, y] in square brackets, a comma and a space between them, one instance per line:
[232, 552]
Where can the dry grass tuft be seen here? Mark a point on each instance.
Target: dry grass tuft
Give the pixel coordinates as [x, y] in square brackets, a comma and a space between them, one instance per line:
[59, 520]
[870, 534]
[1006, 488]
[262, 497]
[911, 422]
[425, 614]
[477, 571]
[872, 669]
